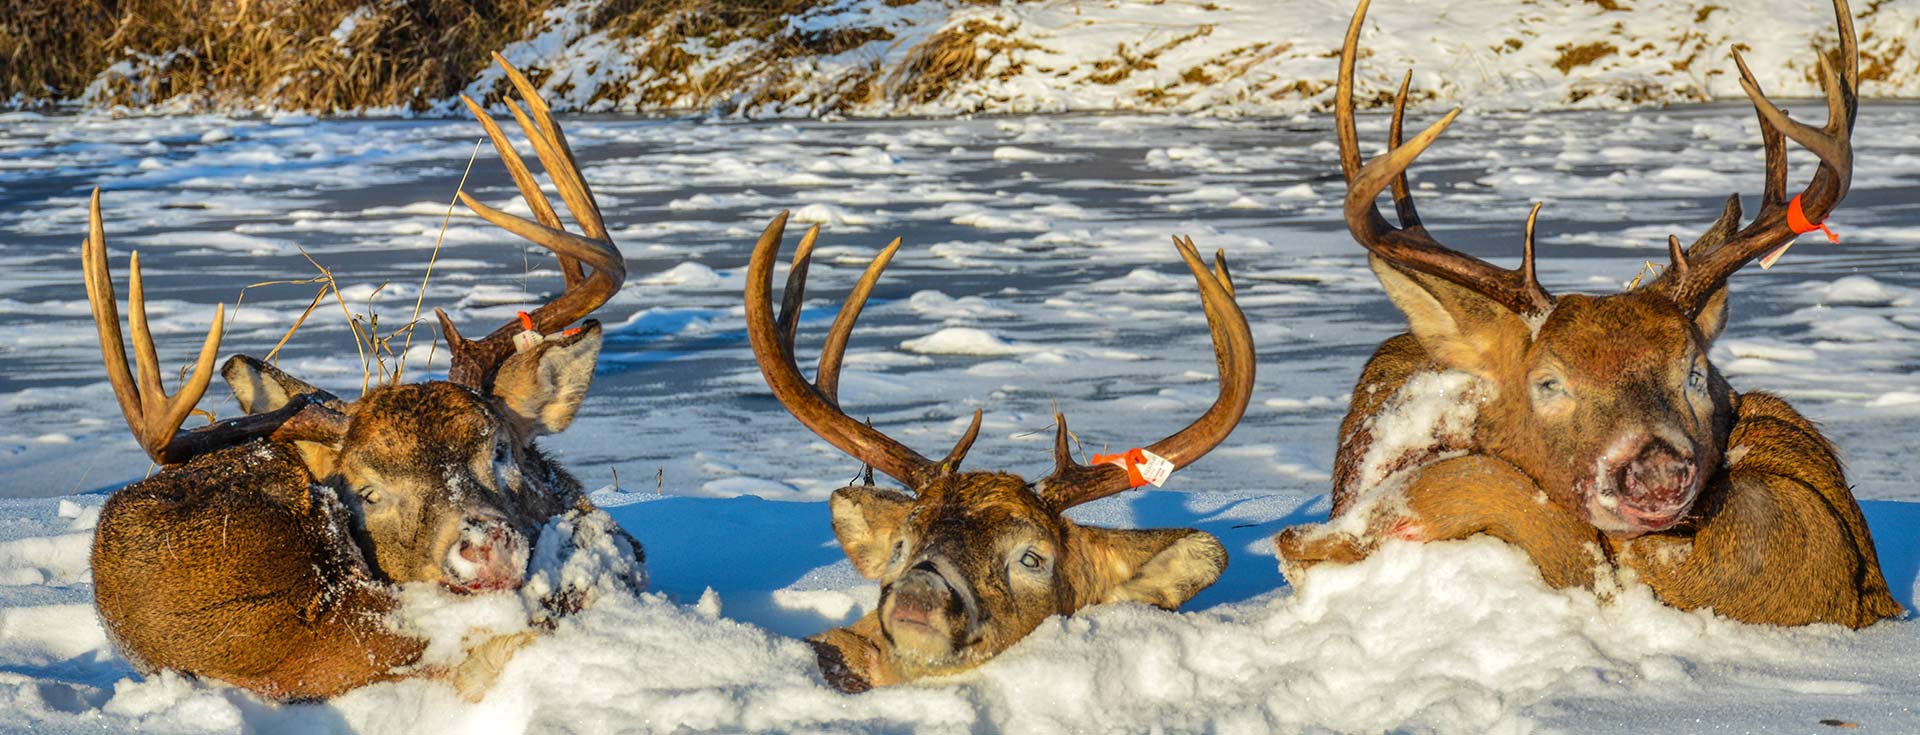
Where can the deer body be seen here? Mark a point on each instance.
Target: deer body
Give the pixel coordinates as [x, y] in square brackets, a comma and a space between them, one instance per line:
[268, 549]
[1605, 409]
[237, 566]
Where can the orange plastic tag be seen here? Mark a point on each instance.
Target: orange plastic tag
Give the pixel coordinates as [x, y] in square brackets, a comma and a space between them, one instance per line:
[1797, 221]
[1143, 467]
[528, 337]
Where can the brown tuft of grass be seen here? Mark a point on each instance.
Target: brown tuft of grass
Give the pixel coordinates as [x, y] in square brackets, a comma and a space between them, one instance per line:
[1572, 57]
[953, 55]
[321, 56]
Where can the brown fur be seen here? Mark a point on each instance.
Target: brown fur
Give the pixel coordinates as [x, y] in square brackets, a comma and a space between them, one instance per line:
[272, 597]
[1775, 537]
[1454, 499]
[982, 526]
[270, 565]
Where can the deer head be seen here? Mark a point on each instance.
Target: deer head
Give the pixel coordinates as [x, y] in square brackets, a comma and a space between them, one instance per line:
[972, 561]
[1608, 402]
[443, 478]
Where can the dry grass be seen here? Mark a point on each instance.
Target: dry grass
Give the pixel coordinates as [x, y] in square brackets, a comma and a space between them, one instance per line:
[315, 55]
[1573, 57]
[951, 56]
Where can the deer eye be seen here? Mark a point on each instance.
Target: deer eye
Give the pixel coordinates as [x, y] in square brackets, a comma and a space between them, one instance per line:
[1030, 560]
[1548, 387]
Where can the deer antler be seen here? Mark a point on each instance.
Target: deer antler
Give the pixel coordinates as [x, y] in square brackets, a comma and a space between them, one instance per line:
[474, 361]
[1410, 246]
[1694, 276]
[817, 404]
[154, 416]
[1072, 483]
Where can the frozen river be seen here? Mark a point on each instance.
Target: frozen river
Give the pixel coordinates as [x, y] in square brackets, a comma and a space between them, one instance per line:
[1048, 234]
[1037, 272]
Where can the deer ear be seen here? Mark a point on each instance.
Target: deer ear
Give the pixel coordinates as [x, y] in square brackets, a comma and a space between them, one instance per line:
[541, 388]
[321, 459]
[1163, 567]
[1712, 318]
[867, 522]
[260, 387]
[1458, 327]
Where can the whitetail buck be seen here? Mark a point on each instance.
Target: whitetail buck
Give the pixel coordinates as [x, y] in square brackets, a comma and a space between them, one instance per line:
[1607, 406]
[266, 550]
[973, 561]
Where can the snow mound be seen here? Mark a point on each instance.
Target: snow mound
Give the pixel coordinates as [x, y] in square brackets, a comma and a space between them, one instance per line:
[963, 341]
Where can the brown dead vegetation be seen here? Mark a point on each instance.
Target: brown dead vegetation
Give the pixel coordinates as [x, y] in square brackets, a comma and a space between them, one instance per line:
[1573, 57]
[314, 55]
[953, 55]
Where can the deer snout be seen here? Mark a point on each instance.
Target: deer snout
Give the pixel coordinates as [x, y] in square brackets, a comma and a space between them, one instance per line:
[1655, 487]
[932, 602]
[488, 555]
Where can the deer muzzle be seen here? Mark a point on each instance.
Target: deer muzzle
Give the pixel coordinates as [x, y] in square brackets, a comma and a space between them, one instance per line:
[931, 610]
[1650, 491]
[489, 555]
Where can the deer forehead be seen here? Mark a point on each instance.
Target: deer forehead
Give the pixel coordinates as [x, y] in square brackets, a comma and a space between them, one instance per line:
[974, 502]
[1607, 338]
[426, 425]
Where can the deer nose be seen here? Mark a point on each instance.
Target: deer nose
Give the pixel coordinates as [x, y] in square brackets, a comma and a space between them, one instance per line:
[1658, 485]
[935, 588]
[488, 555]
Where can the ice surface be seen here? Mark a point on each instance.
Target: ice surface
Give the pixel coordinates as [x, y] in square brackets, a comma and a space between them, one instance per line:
[1098, 317]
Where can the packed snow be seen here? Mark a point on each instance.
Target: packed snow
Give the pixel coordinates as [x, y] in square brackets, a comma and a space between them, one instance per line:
[1083, 306]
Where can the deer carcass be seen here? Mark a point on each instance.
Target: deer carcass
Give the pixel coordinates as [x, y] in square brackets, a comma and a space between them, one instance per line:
[973, 561]
[1603, 438]
[266, 551]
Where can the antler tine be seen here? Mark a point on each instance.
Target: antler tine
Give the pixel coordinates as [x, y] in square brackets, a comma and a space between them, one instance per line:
[1831, 143]
[1676, 256]
[815, 409]
[1072, 484]
[828, 376]
[154, 416]
[524, 181]
[106, 318]
[796, 291]
[1220, 269]
[1402, 194]
[1530, 279]
[951, 463]
[474, 361]
[1409, 246]
[543, 116]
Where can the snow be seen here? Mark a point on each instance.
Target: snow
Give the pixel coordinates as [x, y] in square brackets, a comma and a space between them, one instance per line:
[962, 341]
[1092, 313]
[1268, 57]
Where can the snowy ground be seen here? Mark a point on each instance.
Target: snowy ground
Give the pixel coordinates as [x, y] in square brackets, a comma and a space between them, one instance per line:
[1037, 271]
[1216, 57]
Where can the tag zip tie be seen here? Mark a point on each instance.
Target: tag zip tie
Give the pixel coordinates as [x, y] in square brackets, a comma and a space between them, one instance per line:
[1143, 467]
[528, 337]
[1797, 221]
